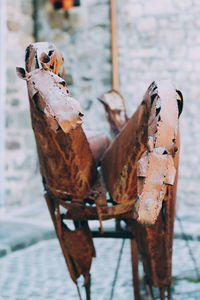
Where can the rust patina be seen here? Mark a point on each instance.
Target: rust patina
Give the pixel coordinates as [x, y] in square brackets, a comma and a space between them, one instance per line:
[139, 167]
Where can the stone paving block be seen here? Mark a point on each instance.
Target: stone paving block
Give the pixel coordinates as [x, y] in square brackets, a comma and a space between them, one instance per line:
[39, 273]
[15, 236]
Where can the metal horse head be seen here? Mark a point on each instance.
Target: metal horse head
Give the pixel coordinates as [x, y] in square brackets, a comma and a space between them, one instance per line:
[155, 168]
[54, 99]
[37, 53]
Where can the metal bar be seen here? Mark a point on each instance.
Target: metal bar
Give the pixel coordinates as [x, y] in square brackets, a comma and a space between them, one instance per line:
[135, 260]
[112, 234]
[114, 49]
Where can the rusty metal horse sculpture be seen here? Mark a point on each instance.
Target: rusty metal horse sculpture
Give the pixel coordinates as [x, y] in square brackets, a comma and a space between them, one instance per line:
[139, 168]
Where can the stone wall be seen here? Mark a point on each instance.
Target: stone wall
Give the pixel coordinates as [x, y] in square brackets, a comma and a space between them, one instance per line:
[20, 157]
[157, 40]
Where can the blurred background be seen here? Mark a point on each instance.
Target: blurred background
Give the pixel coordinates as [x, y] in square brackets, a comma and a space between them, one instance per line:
[158, 39]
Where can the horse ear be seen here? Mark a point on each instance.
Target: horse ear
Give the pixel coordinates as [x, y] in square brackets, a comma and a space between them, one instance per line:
[179, 102]
[44, 58]
[44, 66]
[22, 73]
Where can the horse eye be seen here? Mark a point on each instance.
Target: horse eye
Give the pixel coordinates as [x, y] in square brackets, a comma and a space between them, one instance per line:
[62, 82]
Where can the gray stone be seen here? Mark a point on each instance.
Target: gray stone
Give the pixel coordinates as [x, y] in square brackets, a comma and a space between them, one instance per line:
[27, 7]
[15, 236]
[13, 25]
[69, 79]
[12, 145]
[40, 272]
[11, 76]
[15, 102]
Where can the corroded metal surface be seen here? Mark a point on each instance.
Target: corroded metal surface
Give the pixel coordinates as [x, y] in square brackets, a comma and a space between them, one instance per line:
[155, 168]
[77, 245]
[139, 167]
[115, 110]
[63, 151]
[36, 52]
[144, 160]
[98, 144]
[65, 172]
[142, 155]
[122, 155]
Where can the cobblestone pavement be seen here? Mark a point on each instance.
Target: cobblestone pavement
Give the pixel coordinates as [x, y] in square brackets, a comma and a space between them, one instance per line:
[39, 273]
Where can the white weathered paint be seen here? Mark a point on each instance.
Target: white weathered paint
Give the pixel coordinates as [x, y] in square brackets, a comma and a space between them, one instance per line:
[59, 105]
[155, 169]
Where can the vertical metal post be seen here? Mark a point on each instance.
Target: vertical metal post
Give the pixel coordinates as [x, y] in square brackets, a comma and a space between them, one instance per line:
[135, 260]
[2, 99]
[114, 46]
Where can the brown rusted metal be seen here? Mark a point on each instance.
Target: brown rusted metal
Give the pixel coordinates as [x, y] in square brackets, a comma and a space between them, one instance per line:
[65, 172]
[139, 167]
[115, 110]
[114, 46]
[144, 165]
[155, 168]
[122, 156]
[135, 271]
[98, 144]
[67, 165]
[77, 245]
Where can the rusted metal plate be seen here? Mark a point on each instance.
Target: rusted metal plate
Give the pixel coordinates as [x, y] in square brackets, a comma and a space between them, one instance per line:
[115, 110]
[122, 156]
[77, 245]
[139, 167]
[140, 158]
[83, 212]
[62, 154]
[98, 144]
[156, 169]
[67, 165]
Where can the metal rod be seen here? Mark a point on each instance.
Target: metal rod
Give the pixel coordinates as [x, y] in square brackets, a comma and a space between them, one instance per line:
[135, 260]
[79, 293]
[162, 293]
[114, 48]
[88, 288]
[117, 270]
[169, 292]
[112, 234]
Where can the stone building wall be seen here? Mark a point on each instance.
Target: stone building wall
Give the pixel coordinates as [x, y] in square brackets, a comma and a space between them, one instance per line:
[158, 39]
[20, 156]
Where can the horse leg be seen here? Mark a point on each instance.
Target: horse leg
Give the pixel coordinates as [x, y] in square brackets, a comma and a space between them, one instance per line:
[149, 291]
[162, 293]
[169, 292]
[88, 288]
[135, 261]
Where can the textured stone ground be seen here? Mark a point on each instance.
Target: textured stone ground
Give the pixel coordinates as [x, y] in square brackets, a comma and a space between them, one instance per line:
[39, 273]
